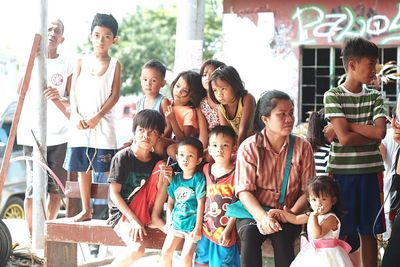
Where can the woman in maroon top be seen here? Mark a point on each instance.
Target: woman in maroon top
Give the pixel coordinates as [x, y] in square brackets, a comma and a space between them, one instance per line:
[260, 171]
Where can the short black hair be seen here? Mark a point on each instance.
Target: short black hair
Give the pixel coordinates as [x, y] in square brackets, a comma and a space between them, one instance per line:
[358, 48]
[157, 65]
[315, 131]
[149, 119]
[194, 142]
[223, 129]
[326, 185]
[105, 20]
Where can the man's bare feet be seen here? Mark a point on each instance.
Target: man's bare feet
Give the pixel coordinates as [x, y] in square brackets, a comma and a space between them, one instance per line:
[82, 216]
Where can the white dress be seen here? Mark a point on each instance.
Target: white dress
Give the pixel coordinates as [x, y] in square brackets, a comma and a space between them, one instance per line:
[328, 251]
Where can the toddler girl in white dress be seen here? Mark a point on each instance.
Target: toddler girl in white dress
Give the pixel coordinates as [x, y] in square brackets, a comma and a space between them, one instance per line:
[323, 248]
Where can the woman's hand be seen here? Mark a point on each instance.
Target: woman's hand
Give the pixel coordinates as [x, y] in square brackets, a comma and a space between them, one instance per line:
[270, 225]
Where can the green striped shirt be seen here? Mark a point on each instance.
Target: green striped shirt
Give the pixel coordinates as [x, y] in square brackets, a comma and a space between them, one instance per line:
[363, 108]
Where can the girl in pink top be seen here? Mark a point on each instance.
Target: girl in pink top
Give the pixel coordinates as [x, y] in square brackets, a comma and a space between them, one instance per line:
[207, 106]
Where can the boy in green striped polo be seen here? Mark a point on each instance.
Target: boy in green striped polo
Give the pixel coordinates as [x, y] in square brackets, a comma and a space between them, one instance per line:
[357, 125]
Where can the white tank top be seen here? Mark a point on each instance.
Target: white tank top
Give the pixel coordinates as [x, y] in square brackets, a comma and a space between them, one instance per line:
[90, 94]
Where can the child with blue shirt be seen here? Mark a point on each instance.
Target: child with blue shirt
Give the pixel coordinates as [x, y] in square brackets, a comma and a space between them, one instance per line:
[152, 79]
[185, 208]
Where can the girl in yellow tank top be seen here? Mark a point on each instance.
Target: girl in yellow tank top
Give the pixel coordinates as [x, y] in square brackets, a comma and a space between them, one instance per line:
[236, 106]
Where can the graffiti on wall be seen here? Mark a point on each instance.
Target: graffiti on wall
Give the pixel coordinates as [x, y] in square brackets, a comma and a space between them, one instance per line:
[314, 22]
[280, 45]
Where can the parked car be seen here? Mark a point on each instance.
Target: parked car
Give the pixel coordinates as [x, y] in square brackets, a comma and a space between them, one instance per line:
[13, 194]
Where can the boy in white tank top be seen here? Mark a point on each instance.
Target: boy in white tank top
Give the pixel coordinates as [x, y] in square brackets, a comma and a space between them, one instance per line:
[95, 90]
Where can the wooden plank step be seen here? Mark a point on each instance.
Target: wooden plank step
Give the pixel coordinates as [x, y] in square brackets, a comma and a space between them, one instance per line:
[94, 232]
[98, 190]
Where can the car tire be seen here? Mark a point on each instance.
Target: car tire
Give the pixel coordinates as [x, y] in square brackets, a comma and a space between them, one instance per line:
[5, 244]
[14, 209]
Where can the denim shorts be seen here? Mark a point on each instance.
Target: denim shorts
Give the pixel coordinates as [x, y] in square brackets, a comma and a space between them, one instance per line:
[82, 159]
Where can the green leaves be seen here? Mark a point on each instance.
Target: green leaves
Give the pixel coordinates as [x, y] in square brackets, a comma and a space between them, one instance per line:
[147, 34]
[150, 34]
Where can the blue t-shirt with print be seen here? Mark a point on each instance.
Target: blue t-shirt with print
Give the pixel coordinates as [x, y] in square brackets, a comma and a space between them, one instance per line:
[186, 192]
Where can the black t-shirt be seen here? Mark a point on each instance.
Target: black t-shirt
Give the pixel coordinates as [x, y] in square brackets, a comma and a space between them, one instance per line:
[130, 172]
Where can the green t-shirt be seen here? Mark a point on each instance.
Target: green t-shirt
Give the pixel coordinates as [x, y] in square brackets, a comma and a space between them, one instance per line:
[363, 108]
[186, 192]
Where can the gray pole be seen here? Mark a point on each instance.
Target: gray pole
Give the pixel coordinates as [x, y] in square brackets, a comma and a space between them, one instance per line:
[189, 35]
[39, 130]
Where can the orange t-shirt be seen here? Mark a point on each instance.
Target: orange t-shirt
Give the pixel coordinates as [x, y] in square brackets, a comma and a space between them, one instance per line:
[185, 116]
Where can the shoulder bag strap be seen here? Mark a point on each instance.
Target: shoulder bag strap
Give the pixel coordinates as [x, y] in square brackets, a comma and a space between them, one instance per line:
[287, 170]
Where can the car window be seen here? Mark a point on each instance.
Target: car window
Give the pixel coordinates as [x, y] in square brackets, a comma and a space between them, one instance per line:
[5, 127]
[16, 172]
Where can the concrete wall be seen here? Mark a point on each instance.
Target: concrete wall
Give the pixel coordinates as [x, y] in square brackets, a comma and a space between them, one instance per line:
[262, 39]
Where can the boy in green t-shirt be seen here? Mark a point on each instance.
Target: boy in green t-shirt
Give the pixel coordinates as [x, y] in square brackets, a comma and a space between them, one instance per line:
[357, 125]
